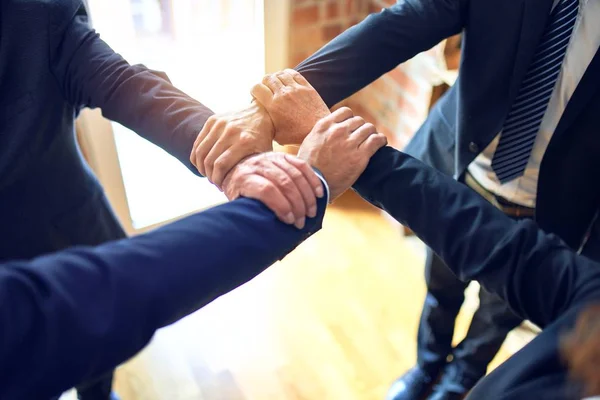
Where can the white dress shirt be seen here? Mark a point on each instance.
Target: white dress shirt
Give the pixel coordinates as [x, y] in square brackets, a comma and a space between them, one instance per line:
[582, 48]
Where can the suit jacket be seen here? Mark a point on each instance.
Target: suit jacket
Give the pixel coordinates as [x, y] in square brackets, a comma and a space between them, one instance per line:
[52, 64]
[499, 39]
[74, 315]
[541, 277]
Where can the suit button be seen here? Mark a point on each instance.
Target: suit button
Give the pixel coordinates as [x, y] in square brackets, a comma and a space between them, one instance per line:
[473, 147]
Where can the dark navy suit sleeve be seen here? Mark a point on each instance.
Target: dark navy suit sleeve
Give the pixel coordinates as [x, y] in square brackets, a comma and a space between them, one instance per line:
[538, 274]
[376, 45]
[70, 316]
[91, 74]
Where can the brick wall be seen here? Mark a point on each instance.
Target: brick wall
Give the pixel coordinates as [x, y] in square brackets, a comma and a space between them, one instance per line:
[397, 103]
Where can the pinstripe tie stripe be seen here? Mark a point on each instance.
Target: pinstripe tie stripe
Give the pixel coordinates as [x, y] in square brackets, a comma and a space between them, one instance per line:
[525, 116]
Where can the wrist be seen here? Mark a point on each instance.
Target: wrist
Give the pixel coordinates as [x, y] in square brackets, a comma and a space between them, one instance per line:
[266, 120]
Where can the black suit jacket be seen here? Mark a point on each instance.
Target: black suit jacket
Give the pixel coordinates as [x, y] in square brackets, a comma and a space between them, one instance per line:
[71, 316]
[540, 276]
[499, 38]
[52, 64]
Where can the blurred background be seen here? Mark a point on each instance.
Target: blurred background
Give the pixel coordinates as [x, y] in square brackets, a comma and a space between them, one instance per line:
[336, 319]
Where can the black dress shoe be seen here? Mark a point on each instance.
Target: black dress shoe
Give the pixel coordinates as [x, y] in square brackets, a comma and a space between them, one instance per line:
[413, 385]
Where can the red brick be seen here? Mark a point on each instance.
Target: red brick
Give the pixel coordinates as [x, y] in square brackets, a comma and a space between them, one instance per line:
[305, 15]
[332, 10]
[387, 132]
[406, 82]
[349, 7]
[367, 116]
[385, 87]
[305, 39]
[297, 58]
[374, 8]
[331, 31]
[354, 21]
[405, 107]
[382, 3]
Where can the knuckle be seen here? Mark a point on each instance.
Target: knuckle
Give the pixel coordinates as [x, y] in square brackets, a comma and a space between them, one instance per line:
[255, 88]
[295, 174]
[218, 121]
[229, 129]
[321, 124]
[268, 189]
[338, 129]
[222, 125]
[286, 93]
[220, 165]
[245, 137]
[209, 160]
[286, 182]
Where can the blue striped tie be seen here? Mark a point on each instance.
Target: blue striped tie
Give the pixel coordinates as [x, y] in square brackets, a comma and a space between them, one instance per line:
[525, 116]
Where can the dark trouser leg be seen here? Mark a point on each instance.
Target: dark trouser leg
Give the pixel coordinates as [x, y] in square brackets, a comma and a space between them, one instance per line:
[492, 321]
[445, 295]
[97, 389]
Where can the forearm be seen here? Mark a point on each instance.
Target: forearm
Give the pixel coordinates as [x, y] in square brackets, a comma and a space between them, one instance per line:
[477, 241]
[376, 45]
[91, 74]
[75, 305]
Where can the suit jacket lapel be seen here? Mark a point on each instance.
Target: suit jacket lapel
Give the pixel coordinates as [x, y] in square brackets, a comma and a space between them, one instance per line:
[589, 84]
[534, 18]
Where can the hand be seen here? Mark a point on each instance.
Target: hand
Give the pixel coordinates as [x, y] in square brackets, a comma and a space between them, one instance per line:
[340, 146]
[284, 183]
[293, 104]
[228, 138]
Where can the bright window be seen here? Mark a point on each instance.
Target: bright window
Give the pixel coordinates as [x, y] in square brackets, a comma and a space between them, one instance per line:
[211, 49]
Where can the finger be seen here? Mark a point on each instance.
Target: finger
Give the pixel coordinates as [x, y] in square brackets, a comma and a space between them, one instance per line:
[206, 145]
[262, 94]
[225, 162]
[287, 186]
[297, 77]
[373, 143]
[309, 173]
[229, 187]
[215, 152]
[262, 189]
[286, 79]
[303, 185]
[203, 132]
[272, 83]
[362, 133]
[341, 114]
[354, 123]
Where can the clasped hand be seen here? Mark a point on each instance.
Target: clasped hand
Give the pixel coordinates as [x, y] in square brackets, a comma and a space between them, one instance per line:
[234, 150]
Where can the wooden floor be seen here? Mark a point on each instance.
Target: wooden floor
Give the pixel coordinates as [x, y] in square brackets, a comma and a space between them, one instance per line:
[335, 320]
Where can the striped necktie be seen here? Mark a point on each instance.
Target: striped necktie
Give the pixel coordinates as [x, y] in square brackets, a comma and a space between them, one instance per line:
[525, 116]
